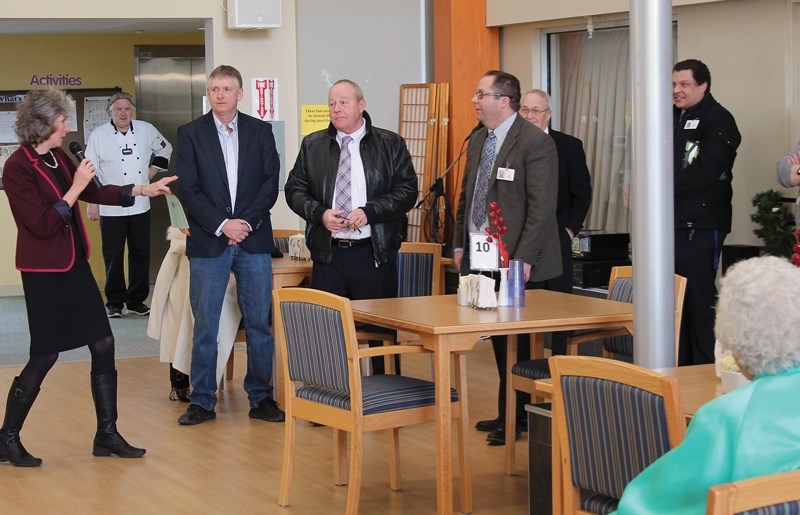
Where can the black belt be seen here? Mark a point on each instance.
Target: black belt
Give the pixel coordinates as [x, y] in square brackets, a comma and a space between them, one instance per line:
[346, 244]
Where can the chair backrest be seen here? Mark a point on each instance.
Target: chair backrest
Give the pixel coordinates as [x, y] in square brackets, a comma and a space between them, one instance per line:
[316, 333]
[773, 494]
[613, 419]
[620, 288]
[281, 238]
[418, 269]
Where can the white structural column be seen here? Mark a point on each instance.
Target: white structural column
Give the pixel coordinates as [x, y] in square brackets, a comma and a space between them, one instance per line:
[652, 183]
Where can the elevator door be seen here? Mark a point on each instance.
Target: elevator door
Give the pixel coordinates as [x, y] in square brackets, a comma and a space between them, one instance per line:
[170, 84]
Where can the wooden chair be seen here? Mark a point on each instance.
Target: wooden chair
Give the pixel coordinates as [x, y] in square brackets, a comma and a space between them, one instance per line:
[610, 420]
[617, 341]
[774, 493]
[281, 238]
[419, 267]
[620, 288]
[317, 336]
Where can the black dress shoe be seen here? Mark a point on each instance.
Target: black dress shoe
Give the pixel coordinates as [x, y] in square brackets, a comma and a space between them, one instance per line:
[196, 414]
[498, 436]
[268, 410]
[488, 425]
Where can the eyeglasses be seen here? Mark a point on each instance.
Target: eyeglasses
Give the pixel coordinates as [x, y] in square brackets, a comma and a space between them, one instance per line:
[480, 94]
[525, 111]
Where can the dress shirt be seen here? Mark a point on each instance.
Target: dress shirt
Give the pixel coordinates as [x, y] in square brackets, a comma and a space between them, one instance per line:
[500, 132]
[358, 181]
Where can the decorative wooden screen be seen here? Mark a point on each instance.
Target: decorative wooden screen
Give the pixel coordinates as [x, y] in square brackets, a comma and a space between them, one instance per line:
[423, 124]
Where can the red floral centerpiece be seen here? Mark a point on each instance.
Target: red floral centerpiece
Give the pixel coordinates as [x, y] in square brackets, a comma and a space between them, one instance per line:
[796, 249]
[496, 229]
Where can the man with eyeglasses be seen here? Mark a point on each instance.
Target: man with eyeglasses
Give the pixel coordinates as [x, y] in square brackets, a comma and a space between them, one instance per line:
[706, 139]
[574, 193]
[511, 162]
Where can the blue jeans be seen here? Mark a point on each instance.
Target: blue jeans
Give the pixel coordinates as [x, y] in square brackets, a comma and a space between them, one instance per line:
[208, 279]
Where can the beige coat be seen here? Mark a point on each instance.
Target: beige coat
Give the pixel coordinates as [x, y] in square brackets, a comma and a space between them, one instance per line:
[171, 321]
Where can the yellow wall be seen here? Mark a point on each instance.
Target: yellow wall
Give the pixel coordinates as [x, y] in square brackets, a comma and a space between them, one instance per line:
[750, 48]
[103, 61]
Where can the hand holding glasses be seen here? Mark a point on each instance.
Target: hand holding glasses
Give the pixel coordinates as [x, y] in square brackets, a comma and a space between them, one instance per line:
[350, 225]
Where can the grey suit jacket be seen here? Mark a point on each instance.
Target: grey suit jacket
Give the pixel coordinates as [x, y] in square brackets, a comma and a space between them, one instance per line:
[528, 202]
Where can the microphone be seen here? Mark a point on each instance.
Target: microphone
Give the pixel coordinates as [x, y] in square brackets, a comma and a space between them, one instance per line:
[474, 130]
[437, 184]
[77, 151]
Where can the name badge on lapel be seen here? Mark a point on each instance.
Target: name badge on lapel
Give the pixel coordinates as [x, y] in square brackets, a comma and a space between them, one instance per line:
[483, 255]
[505, 174]
[691, 124]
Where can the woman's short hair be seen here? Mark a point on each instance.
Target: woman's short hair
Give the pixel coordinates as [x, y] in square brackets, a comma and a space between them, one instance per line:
[757, 314]
[37, 113]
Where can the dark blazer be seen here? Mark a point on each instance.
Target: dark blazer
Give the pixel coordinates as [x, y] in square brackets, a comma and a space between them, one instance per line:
[528, 202]
[203, 184]
[45, 240]
[574, 182]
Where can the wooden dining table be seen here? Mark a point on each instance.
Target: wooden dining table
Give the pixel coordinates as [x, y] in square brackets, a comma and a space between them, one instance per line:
[699, 384]
[449, 330]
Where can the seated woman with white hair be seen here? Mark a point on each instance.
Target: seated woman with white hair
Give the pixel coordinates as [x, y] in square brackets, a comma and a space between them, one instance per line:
[755, 429]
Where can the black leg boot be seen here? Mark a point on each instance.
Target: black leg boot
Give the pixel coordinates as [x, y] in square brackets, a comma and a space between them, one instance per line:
[20, 400]
[108, 441]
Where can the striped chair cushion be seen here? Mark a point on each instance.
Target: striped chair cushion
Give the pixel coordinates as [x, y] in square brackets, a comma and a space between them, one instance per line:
[414, 274]
[615, 431]
[622, 345]
[282, 244]
[787, 508]
[381, 393]
[316, 346]
[599, 504]
[622, 291]
[532, 369]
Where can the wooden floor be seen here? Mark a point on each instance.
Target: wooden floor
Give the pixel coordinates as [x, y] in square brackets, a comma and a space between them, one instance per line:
[231, 464]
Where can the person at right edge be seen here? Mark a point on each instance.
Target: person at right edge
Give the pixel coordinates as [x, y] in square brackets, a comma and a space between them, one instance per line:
[788, 173]
[514, 163]
[706, 139]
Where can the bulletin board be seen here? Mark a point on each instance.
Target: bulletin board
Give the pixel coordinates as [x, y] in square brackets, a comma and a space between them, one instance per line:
[90, 105]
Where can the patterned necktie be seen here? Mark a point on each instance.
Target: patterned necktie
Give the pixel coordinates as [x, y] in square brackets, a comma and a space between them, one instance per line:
[482, 181]
[342, 196]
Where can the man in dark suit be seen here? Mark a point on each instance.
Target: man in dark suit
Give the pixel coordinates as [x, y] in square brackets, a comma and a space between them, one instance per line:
[228, 167]
[574, 193]
[513, 163]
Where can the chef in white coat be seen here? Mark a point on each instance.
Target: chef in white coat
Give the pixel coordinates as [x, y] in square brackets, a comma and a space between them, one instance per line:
[126, 151]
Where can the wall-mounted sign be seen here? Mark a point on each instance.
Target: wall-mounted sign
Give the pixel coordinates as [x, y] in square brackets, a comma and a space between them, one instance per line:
[62, 79]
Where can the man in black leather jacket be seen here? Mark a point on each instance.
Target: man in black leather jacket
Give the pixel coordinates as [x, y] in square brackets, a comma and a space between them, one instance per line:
[353, 241]
[706, 139]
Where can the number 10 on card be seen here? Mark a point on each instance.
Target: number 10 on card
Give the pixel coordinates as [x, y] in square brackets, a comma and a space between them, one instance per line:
[483, 254]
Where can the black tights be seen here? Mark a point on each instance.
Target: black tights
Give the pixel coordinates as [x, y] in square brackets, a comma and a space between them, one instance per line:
[37, 367]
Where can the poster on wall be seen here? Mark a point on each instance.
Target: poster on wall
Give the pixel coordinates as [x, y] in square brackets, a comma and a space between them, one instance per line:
[7, 120]
[313, 117]
[265, 98]
[94, 114]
